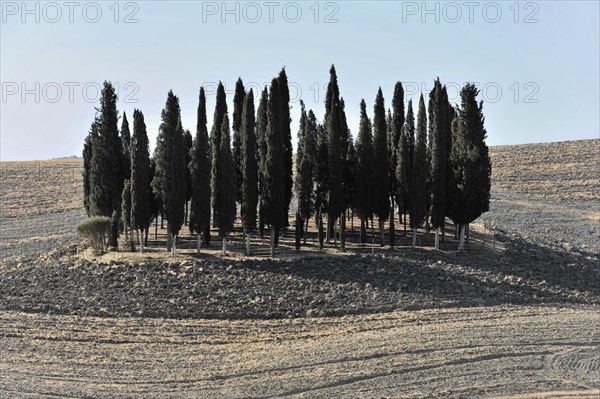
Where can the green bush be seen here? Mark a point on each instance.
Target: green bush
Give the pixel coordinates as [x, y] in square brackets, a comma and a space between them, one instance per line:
[96, 229]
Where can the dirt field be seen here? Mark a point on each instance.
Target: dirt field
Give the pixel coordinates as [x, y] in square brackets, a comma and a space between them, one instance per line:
[455, 353]
[520, 321]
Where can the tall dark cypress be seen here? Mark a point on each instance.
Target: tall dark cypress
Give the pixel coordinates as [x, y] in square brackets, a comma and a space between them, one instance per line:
[238, 108]
[225, 184]
[249, 171]
[394, 141]
[381, 188]
[274, 166]
[438, 151]
[321, 176]
[364, 171]
[261, 157]
[305, 161]
[450, 184]
[418, 207]
[106, 179]
[470, 161]
[405, 152]
[88, 146]
[188, 141]
[200, 168]
[335, 195]
[169, 177]
[215, 139]
[286, 134]
[141, 191]
[125, 141]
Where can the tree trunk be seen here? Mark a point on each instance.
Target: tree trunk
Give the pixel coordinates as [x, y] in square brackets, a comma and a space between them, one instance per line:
[162, 219]
[467, 233]
[198, 244]
[444, 231]
[146, 236]
[168, 237]
[461, 241]
[327, 232]
[207, 235]
[156, 228]
[141, 235]
[352, 220]
[185, 215]
[437, 238]
[320, 227]
[305, 233]
[272, 241]
[224, 246]
[343, 231]
[381, 229]
[248, 252]
[414, 243]
[174, 246]
[405, 224]
[392, 227]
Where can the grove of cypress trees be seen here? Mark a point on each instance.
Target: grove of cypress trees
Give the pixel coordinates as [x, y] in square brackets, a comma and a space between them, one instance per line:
[200, 169]
[286, 133]
[238, 108]
[141, 191]
[215, 139]
[381, 188]
[404, 161]
[470, 161]
[418, 207]
[274, 166]
[249, 196]
[261, 156]
[364, 171]
[437, 144]
[169, 177]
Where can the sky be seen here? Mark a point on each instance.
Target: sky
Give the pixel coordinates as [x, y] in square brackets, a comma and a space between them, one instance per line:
[535, 62]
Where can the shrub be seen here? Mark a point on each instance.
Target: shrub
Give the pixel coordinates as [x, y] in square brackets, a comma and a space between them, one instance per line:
[96, 230]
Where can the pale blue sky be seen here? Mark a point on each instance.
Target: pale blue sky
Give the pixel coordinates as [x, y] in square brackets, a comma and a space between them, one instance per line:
[547, 71]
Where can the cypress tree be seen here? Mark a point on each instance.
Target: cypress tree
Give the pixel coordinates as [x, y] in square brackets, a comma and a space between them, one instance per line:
[321, 176]
[261, 156]
[249, 170]
[335, 199]
[405, 160]
[225, 208]
[364, 171]
[437, 144]
[238, 108]
[286, 133]
[188, 142]
[125, 142]
[274, 165]
[381, 190]
[349, 176]
[169, 178]
[105, 180]
[450, 184]
[200, 168]
[215, 140]
[156, 204]
[141, 191]
[126, 209]
[88, 146]
[305, 165]
[470, 161]
[418, 209]
[395, 137]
